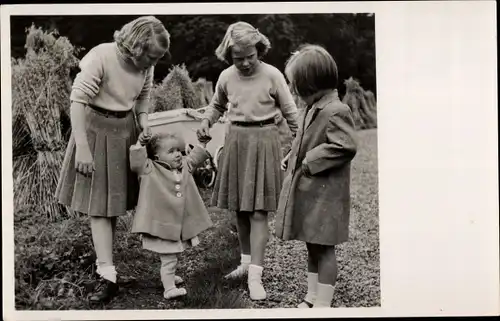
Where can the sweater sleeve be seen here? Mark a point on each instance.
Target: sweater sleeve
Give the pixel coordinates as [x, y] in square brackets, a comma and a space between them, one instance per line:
[87, 81]
[286, 102]
[340, 147]
[139, 161]
[143, 100]
[218, 105]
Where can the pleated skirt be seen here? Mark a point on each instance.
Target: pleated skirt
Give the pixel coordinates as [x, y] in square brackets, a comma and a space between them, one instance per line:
[113, 188]
[249, 177]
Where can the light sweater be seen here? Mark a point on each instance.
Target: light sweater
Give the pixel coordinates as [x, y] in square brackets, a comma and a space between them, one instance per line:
[108, 81]
[257, 97]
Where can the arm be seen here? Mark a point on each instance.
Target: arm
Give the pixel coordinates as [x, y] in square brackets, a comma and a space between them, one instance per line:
[143, 100]
[139, 159]
[340, 147]
[218, 104]
[286, 103]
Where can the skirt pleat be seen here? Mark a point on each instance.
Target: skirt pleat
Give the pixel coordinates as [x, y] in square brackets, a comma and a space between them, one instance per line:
[113, 188]
[249, 177]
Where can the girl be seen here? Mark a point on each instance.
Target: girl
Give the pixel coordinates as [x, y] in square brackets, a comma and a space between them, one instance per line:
[249, 180]
[315, 200]
[170, 212]
[111, 91]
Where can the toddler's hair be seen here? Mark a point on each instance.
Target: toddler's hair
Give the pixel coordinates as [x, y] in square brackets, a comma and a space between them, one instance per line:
[140, 35]
[155, 143]
[311, 69]
[242, 34]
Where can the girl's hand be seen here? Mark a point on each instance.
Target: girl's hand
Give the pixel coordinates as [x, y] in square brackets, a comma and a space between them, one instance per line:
[203, 132]
[84, 162]
[284, 162]
[145, 135]
[305, 169]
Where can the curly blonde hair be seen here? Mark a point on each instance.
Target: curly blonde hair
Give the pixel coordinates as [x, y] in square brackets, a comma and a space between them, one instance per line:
[243, 34]
[140, 35]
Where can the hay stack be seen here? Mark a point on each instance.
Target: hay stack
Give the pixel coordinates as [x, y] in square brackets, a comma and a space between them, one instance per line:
[363, 113]
[176, 91]
[40, 95]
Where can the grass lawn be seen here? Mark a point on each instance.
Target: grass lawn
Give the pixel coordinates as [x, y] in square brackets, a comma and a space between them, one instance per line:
[54, 261]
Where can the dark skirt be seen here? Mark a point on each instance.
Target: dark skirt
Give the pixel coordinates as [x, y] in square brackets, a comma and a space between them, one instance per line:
[249, 177]
[113, 188]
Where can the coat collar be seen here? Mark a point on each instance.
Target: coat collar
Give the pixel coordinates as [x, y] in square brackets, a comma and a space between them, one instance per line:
[319, 105]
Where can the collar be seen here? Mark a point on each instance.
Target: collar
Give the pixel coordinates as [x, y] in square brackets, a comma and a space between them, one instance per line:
[166, 166]
[319, 102]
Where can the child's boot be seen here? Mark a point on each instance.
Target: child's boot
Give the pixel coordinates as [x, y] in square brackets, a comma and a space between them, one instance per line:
[312, 288]
[242, 269]
[255, 287]
[325, 296]
[168, 277]
[108, 287]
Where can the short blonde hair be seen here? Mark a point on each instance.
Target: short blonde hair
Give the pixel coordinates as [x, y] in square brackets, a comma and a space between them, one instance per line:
[311, 69]
[242, 34]
[137, 37]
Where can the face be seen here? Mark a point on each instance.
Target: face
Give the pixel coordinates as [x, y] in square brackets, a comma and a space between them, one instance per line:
[170, 152]
[149, 58]
[245, 59]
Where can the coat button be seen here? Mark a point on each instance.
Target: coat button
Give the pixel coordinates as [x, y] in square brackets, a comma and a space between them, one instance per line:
[179, 194]
[177, 186]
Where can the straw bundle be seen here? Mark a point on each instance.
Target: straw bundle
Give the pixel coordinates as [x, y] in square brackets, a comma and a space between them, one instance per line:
[204, 91]
[175, 91]
[363, 113]
[40, 95]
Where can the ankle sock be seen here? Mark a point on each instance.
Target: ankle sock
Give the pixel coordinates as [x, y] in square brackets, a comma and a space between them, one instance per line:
[324, 296]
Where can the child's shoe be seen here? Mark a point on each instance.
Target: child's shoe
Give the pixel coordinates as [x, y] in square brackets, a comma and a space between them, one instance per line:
[178, 280]
[241, 270]
[325, 296]
[174, 293]
[257, 291]
[312, 288]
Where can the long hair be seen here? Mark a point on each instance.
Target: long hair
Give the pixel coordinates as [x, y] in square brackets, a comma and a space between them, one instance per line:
[140, 35]
[242, 34]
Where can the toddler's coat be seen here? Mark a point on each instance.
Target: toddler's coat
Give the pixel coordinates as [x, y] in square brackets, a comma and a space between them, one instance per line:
[315, 208]
[168, 208]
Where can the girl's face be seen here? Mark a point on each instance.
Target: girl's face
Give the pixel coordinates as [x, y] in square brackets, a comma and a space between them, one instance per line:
[245, 59]
[170, 152]
[149, 58]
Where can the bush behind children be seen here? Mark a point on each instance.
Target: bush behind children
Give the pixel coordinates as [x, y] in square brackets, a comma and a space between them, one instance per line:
[113, 163]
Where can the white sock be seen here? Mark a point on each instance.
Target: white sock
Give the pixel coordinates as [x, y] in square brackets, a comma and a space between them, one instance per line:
[257, 291]
[107, 272]
[242, 269]
[312, 287]
[324, 296]
[168, 277]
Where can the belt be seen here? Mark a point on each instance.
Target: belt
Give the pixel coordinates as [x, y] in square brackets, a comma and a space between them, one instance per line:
[254, 123]
[110, 113]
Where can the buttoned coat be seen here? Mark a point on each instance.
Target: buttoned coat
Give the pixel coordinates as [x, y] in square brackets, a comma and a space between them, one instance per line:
[168, 208]
[315, 207]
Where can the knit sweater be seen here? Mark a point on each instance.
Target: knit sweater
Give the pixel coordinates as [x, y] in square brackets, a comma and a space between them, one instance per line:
[107, 80]
[257, 97]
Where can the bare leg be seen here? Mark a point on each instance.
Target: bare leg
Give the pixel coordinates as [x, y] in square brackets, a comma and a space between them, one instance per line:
[327, 276]
[243, 226]
[102, 235]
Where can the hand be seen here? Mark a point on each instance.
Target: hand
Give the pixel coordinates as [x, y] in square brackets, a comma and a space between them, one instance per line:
[305, 169]
[145, 136]
[203, 132]
[284, 162]
[84, 162]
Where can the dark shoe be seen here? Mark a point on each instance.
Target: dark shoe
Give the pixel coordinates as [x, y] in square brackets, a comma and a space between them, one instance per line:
[104, 292]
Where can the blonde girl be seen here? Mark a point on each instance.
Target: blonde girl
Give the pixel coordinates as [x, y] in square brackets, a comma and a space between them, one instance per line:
[314, 204]
[109, 106]
[249, 180]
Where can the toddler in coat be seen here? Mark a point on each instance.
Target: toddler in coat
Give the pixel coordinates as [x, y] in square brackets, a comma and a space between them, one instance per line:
[314, 204]
[170, 213]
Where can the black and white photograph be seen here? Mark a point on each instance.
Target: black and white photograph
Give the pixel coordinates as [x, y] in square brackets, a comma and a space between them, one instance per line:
[207, 159]
[161, 162]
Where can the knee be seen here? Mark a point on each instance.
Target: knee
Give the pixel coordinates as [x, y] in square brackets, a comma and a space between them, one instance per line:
[259, 217]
